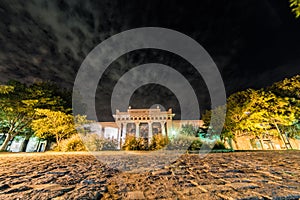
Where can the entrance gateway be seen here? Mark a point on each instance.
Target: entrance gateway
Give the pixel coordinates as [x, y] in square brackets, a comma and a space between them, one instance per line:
[144, 123]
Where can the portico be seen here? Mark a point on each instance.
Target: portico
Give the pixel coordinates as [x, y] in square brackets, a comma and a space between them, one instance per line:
[143, 123]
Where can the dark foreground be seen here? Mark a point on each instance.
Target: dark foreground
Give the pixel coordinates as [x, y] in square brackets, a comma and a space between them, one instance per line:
[242, 175]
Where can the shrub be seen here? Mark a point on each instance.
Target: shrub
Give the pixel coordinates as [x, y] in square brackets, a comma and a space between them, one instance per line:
[196, 145]
[95, 142]
[158, 141]
[109, 144]
[133, 143]
[142, 144]
[219, 145]
[180, 142]
[130, 143]
[189, 130]
[74, 143]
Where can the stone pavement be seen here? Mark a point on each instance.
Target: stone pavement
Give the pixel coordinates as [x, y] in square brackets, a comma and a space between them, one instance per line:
[239, 175]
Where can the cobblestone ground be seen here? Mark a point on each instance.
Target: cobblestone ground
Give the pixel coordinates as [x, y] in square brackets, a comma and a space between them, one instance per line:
[241, 175]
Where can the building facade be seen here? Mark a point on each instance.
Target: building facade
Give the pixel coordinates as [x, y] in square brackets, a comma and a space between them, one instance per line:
[21, 143]
[144, 123]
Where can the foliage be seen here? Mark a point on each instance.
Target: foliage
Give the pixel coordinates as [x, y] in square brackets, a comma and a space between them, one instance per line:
[133, 143]
[238, 105]
[214, 123]
[130, 143]
[268, 111]
[196, 145]
[16, 111]
[189, 130]
[5, 89]
[289, 87]
[50, 96]
[82, 124]
[53, 124]
[94, 142]
[158, 141]
[19, 101]
[219, 145]
[74, 143]
[295, 6]
[180, 142]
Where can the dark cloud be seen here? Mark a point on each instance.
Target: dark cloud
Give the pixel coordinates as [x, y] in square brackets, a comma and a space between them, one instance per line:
[253, 42]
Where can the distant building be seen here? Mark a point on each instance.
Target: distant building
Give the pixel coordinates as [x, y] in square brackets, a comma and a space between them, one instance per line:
[143, 123]
[22, 144]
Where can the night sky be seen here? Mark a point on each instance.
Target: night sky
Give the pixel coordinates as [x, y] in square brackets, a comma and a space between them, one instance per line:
[253, 42]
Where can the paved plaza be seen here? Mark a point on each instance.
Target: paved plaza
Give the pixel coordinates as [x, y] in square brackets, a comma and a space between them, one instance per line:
[238, 175]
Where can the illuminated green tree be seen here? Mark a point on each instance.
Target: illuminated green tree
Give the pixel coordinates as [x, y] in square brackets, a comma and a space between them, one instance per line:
[16, 111]
[53, 124]
[219, 113]
[289, 89]
[260, 112]
[295, 6]
[19, 101]
[268, 114]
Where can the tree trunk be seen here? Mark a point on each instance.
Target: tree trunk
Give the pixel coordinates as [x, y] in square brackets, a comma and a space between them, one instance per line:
[278, 130]
[5, 143]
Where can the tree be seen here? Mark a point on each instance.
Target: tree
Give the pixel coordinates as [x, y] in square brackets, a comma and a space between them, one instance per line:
[289, 91]
[50, 96]
[16, 111]
[268, 114]
[255, 112]
[216, 121]
[19, 101]
[295, 6]
[265, 112]
[239, 105]
[53, 124]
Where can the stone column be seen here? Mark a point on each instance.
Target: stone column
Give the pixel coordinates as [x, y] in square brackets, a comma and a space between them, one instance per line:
[149, 132]
[162, 124]
[137, 129]
[124, 130]
[119, 139]
[166, 128]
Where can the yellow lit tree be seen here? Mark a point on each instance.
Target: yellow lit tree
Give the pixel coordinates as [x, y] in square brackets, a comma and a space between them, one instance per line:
[16, 111]
[53, 124]
[268, 114]
[295, 6]
[18, 102]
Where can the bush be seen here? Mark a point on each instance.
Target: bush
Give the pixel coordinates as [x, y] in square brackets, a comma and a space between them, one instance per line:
[180, 142]
[95, 142]
[158, 142]
[189, 130]
[74, 143]
[196, 145]
[142, 144]
[130, 143]
[133, 143]
[219, 145]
